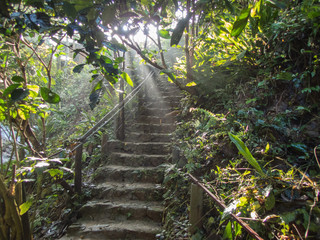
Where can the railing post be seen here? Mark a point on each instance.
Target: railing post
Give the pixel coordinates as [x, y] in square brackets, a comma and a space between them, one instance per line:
[78, 170]
[196, 206]
[104, 145]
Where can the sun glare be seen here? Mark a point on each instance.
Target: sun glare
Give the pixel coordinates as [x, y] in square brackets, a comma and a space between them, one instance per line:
[140, 37]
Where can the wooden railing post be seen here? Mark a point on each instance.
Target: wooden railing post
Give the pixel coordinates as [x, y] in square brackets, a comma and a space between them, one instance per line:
[196, 206]
[104, 145]
[78, 170]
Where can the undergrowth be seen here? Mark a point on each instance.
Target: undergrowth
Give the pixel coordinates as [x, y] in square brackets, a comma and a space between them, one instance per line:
[280, 202]
[254, 141]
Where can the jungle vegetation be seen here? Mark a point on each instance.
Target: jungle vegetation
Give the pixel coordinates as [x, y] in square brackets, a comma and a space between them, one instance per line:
[248, 126]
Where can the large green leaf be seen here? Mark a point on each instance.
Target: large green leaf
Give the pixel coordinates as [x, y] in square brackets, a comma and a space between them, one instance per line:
[127, 78]
[278, 4]
[95, 95]
[10, 89]
[49, 96]
[34, 90]
[108, 14]
[24, 207]
[228, 231]
[164, 34]
[78, 68]
[69, 9]
[19, 94]
[17, 79]
[246, 153]
[114, 46]
[178, 31]
[257, 9]
[241, 22]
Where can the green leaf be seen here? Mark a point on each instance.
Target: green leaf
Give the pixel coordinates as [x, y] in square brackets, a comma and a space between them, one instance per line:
[270, 201]
[164, 34]
[245, 152]
[257, 9]
[95, 95]
[49, 96]
[23, 114]
[3, 65]
[267, 148]
[19, 94]
[13, 113]
[78, 68]
[237, 229]
[108, 14]
[191, 84]
[34, 90]
[178, 31]
[228, 231]
[24, 207]
[241, 55]
[114, 46]
[127, 78]
[288, 217]
[69, 9]
[119, 60]
[277, 4]
[17, 79]
[111, 79]
[97, 86]
[145, 2]
[285, 76]
[10, 89]
[241, 22]
[55, 173]
[197, 236]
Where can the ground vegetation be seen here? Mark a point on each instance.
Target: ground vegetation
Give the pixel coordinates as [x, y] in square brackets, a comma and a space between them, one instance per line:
[250, 70]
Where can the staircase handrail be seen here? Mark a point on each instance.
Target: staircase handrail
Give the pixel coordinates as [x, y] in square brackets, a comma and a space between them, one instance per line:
[106, 119]
[102, 122]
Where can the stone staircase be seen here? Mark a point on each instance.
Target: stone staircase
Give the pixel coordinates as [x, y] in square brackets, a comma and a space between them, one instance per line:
[127, 202]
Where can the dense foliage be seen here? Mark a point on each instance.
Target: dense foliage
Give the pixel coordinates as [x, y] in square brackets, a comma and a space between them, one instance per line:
[251, 68]
[262, 89]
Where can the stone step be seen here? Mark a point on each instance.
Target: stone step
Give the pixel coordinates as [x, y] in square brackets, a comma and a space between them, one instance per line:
[140, 147]
[129, 174]
[150, 137]
[155, 120]
[121, 211]
[162, 104]
[124, 230]
[154, 111]
[165, 92]
[128, 191]
[151, 128]
[136, 160]
[167, 101]
[158, 105]
[155, 108]
[147, 113]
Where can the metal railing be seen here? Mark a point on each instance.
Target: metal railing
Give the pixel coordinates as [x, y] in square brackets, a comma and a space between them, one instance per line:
[102, 122]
